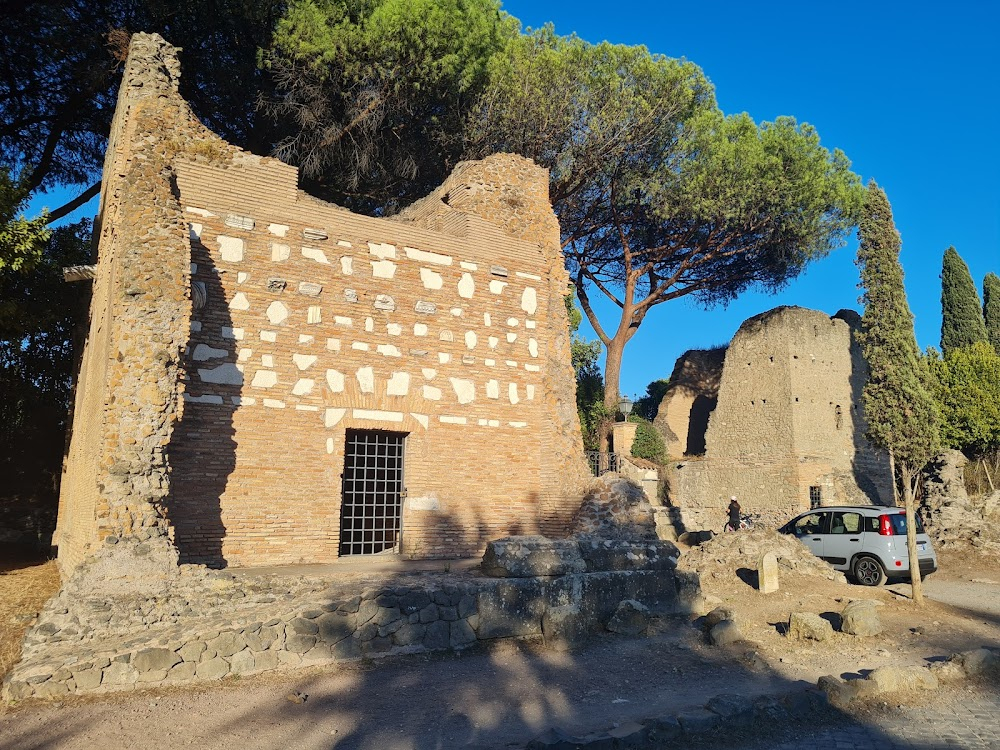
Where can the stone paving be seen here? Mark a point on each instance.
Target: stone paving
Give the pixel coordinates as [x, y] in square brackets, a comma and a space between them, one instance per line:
[961, 717]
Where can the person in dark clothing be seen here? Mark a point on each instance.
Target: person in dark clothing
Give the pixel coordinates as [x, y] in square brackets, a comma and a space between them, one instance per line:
[734, 513]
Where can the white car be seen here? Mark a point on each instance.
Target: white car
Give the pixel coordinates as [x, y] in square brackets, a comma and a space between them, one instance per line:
[866, 541]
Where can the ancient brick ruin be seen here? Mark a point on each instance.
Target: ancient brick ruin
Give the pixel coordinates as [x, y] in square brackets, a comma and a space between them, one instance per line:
[778, 422]
[256, 355]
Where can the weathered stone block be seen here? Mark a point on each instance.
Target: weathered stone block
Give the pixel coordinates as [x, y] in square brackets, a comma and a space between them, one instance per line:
[767, 573]
[511, 608]
[228, 643]
[151, 659]
[299, 644]
[191, 651]
[182, 672]
[88, 679]
[808, 626]
[725, 633]
[698, 720]
[409, 635]
[333, 628]
[566, 627]
[530, 556]
[242, 662]
[437, 636]
[630, 618]
[860, 618]
[621, 554]
[266, 660]
[462, 634]
[736, 710]
[301, 626]
[429, 613]
[213, 669]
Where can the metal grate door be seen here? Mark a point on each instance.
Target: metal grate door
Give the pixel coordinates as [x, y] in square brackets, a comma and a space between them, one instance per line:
[371, 508]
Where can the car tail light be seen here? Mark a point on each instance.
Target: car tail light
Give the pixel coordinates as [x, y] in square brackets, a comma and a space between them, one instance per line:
[885, 526]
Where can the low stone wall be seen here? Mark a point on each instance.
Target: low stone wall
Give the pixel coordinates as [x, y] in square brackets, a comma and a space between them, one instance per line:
[204, 625]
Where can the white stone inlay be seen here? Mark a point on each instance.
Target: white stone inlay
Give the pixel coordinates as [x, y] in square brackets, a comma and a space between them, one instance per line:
[304, 361]
[380, 416]
[492, 389]
[483, 422]
[532, 368]
[398, 385]
[231, 248]
[421, 418]
[512, 393]
[518, 424]
[278, 230]
[382, 250]
[466, 286]
[422, 255]
[305, 338]
[471, 339]
[366, 379]
[430, 279]
[464, 389]
[277, 313]
[344, 243]
[198, 211]
[457, 312]
[446, 419]
[332, 417]
[306, 407]
[206, 399]
[533, 347]
[232, 333]
[204, 351]
[531, 392]
[333, 345]
[511, 338]
[335, 380]
[446, 336]
[239, 302]
[314, 253]
[513, 322]
[493, 422]
[241, 277]
[280, 252]
[268, 336]
[194, 231]
[303, 387]
[195, 326]
[444, 358]
[369, 325]
[529, 324]
[419, 329]
[529, 300]
[493, 341]
[314, 314]
[487, 320]
[340, 320]
[388, 350]
[533, 277]
[264, 379]
[329, 443]
[267, 360]
[243, 400]
[226, 374]
[360, 346]
[489, 362]
[431, 393]
[383, 269]
[347, 265]
[510, 363]
[394, 329]
[244, 355]
[428, 373]
[497, 287]
[469, 266]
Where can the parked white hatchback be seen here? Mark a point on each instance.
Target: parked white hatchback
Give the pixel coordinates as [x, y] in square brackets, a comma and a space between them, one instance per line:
[868, 542]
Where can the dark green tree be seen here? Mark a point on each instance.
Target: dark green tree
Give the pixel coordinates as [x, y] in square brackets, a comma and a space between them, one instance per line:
[649, 404]
[961, 313]
[991, 309]
[901, 412]
[967, 388]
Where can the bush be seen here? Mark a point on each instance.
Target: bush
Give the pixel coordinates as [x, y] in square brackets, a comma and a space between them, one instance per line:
[648, 441]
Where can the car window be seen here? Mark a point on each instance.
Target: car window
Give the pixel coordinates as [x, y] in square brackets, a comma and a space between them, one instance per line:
[845, 522]
[814, 523]
[899, 524]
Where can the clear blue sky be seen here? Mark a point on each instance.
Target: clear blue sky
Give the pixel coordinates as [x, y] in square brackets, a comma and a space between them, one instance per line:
[907, 89]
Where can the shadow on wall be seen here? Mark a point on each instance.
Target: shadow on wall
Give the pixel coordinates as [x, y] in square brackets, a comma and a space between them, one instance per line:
[701, 411]
[202, 449]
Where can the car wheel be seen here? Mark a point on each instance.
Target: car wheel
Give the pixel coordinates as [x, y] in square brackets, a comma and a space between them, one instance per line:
[868, 571]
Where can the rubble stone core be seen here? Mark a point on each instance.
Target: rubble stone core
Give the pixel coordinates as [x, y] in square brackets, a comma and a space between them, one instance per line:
[788, 427]
[239, 328]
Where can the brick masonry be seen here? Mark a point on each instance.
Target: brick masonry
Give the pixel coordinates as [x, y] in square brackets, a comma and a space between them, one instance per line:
[240, 327]
[788, 418]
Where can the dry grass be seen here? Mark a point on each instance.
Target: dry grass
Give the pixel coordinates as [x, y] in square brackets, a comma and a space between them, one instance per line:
[24, 588]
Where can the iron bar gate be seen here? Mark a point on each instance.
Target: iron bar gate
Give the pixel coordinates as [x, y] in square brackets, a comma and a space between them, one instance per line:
[371, 505]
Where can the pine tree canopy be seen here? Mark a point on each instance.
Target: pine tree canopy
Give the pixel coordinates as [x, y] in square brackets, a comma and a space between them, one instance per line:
[991, 309]
[961, 313]
[901, 412]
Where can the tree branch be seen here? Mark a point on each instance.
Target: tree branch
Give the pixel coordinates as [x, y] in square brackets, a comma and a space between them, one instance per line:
[74, 204]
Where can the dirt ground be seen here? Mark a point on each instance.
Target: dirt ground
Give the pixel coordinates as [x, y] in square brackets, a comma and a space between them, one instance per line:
[26, 583]
[503, 696]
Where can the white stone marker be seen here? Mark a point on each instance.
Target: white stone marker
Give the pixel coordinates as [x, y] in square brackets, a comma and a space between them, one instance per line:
[767, 573]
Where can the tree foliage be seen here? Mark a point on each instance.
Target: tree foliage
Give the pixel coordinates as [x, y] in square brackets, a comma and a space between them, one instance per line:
[648, 442]
[991, 309]
[374, 92]
[649, 404]
[961, 313]
[659, 195]
[967, 388]
[21, 239]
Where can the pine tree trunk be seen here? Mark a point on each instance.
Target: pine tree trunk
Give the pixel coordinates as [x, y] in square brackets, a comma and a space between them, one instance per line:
[909, 477]
[612, 380]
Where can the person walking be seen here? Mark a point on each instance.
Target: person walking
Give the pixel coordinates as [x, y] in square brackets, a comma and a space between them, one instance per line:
[734, 514]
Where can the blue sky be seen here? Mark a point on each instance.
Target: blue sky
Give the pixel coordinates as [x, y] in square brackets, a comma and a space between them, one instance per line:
[907, 89]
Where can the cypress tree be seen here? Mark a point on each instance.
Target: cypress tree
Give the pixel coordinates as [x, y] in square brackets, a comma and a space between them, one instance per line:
[961, 314]
[900, 410]
[991, 309]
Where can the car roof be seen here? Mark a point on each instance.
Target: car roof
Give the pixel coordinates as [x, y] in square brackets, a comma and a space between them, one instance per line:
[870, 508]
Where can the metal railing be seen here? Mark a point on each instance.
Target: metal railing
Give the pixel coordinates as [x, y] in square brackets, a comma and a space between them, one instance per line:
[602, 463]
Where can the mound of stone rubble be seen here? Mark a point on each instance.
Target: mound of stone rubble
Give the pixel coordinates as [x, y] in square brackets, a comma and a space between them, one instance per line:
[727, 553]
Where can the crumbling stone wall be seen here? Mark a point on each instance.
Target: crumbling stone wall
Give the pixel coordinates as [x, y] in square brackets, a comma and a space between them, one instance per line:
[691, 396]
[240, 328]
[788, 419]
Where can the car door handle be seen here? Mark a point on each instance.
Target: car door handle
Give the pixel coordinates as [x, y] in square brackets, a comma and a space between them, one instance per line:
[855, 539]
[816, 539]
